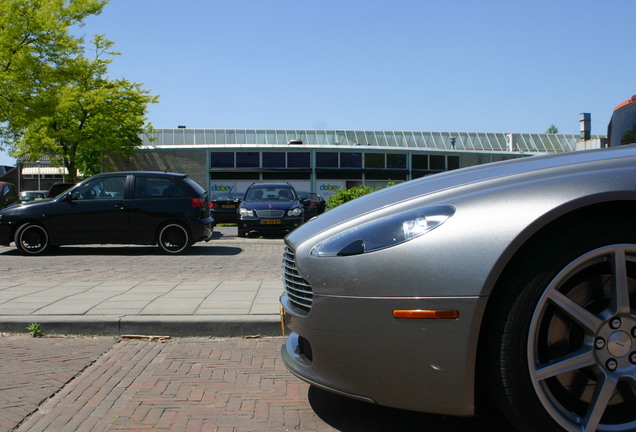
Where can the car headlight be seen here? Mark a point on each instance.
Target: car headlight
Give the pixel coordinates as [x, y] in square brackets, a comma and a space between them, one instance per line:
[295, 212]
[384, 233]
[246, 212]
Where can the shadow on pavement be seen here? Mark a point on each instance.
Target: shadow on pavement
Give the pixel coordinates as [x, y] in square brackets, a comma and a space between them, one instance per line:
[347, 414]
[196, 250]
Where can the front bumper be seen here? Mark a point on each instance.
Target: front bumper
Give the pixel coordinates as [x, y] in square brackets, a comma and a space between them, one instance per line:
[355, 347]
[6, 230]
[262, 224]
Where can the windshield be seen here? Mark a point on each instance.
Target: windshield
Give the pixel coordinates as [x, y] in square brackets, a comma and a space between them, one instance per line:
[270, 193]
[227, 197]
[622, 126]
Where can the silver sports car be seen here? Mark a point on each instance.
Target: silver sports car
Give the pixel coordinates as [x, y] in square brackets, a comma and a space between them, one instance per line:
[513, 282]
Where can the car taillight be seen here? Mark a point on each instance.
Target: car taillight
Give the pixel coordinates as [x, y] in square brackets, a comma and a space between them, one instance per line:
[212, 205]
[198, 202]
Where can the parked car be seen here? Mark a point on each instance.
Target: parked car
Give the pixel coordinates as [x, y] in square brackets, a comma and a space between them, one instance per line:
[269, 207]
[167, 209]
[8, 194]
[313, 204]
[515, 280]
[58, 188]
[224, 206]
[26, 196]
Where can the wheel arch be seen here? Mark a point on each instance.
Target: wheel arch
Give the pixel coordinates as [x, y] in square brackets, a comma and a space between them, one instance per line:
[558, 219]
[15, 227]
[165, 223]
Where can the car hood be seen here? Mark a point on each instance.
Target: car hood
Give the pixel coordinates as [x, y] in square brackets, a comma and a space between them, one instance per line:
[442, 188]
[19, 207]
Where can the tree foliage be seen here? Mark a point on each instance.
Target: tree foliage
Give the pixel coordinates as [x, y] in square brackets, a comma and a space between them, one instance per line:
[57, 101]
[552, 129]
[35, 49]
[88, 117]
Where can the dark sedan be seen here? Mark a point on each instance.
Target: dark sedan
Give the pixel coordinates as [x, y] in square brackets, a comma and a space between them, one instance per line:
[167, 209]
[269, 207]
[224, 206]
[313, 204]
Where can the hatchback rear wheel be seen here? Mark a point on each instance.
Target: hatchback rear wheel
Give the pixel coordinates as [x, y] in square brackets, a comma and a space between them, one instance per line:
[31, 239]
[174, 238]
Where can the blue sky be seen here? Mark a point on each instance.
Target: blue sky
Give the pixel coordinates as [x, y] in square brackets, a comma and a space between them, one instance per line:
[462, 65]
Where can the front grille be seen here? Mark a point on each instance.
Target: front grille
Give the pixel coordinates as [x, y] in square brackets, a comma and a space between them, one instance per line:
[298, 289]
[270, 213]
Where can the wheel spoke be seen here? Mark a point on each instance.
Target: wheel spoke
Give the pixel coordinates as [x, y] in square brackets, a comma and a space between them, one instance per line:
[620, 288]
[579, 314]
[600, 400]
[576, 360]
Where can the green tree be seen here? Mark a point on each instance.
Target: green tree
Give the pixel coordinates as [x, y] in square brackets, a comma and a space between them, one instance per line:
[54, 100]
[87, 117]
[35, 48]
[552, 129]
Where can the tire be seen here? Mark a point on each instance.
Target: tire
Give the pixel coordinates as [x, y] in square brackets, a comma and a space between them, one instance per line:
[31, 239]
[174, 238]
[563, 334]
[242, 233]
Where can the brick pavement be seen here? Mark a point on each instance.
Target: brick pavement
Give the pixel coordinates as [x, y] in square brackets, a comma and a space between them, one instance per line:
[198, 384]
[32, 370]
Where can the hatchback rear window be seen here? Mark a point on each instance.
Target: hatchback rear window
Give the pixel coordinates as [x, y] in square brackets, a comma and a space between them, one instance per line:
[196, 186]
[157, 187]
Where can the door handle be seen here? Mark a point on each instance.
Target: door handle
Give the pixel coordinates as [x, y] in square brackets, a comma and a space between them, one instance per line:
[119, 206]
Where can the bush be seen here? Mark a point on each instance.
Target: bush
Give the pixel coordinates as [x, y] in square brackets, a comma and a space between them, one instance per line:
[344, 195]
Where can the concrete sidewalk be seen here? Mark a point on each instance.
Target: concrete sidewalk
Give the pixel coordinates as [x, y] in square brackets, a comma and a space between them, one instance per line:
[149, 305]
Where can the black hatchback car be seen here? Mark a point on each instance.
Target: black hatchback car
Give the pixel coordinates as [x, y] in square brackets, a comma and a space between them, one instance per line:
[269, 207]
[167, 209]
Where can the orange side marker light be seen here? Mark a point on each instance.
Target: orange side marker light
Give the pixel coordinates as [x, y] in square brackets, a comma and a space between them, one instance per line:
[426, 314]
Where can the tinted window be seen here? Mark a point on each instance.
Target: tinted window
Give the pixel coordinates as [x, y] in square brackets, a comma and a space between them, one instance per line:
[374, 160]
[101, 188]
[155, 187]
[327, 160]
[394, 160]
[350, 160]
[438, 162]
[247, 159]
[195, 186]
[270, 193]
[298, 160]
[453, 162]
[273, 159]
[222, 159]
[420, 162]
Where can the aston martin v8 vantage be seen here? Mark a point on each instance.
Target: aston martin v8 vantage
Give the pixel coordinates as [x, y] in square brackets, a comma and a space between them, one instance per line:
[515, 280]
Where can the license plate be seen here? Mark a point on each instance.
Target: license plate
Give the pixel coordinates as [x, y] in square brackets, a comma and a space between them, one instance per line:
[270, 221]
[228, 206]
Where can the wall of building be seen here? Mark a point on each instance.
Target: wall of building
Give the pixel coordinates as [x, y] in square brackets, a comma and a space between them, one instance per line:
[191, 162]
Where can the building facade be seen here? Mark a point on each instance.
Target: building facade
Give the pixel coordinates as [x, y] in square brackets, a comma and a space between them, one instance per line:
[324, 161]
[320, 161]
